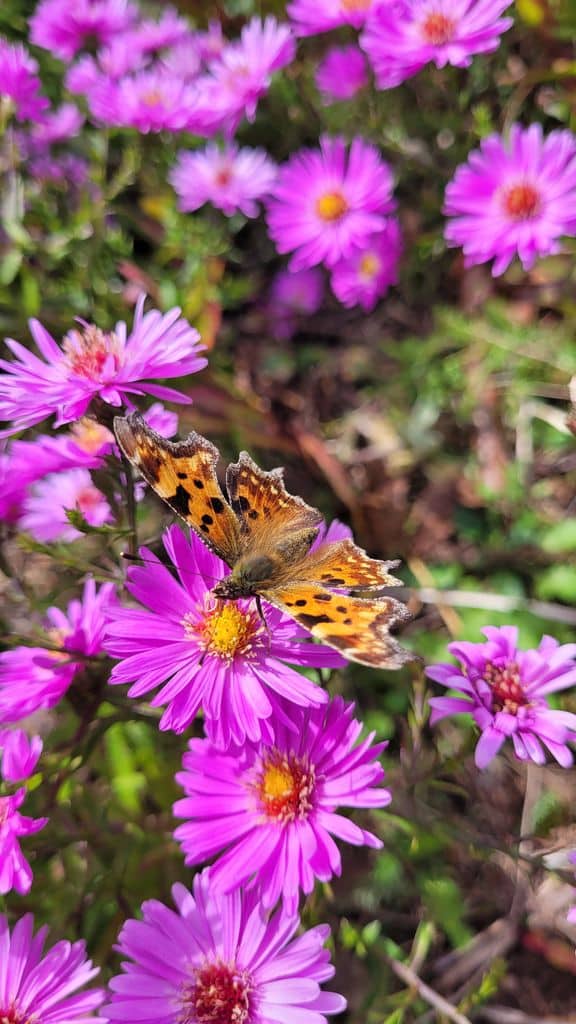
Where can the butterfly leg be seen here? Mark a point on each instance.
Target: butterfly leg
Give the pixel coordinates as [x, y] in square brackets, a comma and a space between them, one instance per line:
[260, 611]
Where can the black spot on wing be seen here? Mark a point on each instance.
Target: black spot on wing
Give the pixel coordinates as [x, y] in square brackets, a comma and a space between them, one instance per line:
[217, 505]
[322, 597]
[180, 501]
[313, 620]
[199, 484]
[207, 520]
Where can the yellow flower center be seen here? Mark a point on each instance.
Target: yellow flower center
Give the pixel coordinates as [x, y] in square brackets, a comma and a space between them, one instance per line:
[285, 787]
[89, 351]
[521, 202]
[154, 98]
[225, 630]
[369, 266]
[438, 28]
[331, 206]
[355, 6]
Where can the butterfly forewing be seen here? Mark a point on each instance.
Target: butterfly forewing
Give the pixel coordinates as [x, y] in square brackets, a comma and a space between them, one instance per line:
[262, 503]
[183, 474]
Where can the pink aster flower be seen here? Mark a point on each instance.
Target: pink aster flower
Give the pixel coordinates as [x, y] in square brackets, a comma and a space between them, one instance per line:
[19, 82]
[327, 202]
[111, 63]
[294, 295]
[38, 677]
[20, 754]
[183, 59]
[44, 988]
[65, 28]
[515, 196]
[218, 959]
[207, 653]
[93, 363]
[273, 809]
[15, 871]
[341, 73]
[313, 16]
[362, 278]
[400, 38]
[45, 507]
[152, 100]
[231, 178]
[55, 126]
[149, 35]
[506, 690]
[211, 42]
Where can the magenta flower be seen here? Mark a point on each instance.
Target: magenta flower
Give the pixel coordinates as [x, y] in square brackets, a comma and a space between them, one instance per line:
[313, 16]
[327, 202]
[515, 196]
[15, 871]
[112, 62]
[94, 363]
[272, 810]
[218, 959]
[231, 178]
[362, 278]
[506, 690]
[44, 988]
[20, 754]
[55, 126]
[400, 38]
[19, 82]
[65, 28]
[341, 73]
[38, 677]
[209, 654]
[149, 35]
[48, 501]
[294, 295]
[152, 100]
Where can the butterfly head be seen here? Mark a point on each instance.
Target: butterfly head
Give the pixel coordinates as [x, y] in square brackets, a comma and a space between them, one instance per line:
[249, 575]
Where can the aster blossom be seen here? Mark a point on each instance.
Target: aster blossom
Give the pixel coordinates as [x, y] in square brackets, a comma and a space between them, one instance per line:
[231, 178]
[45, 987]
[506, 689]
[341, 73]
[65, 28]
[38, 677]
[313, 16]
[19, 81]
[218, 959]
[45, 507]
[209, 654]
[362, 278]
[20, 754]
[401, 38]
[15, 871]
[150, 100]
[293, 296]
[514, 196]
[91, 362]
[270, 811]
[328, 201]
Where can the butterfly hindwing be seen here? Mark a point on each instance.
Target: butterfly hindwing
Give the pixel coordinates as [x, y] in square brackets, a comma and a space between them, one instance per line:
[183, 474]
[342, 564]
[357, 627]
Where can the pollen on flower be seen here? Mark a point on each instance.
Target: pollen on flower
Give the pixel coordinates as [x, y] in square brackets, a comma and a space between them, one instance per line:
[9, 1014]
[90, 351]
[223, 177]
[438, 28]
[89, 435]
[153, 98]
[220, 994]
[521, 201]
[507, 691]
[225, 630]
[353, 6]
[369, 266]
[285, 787]
[331, 206]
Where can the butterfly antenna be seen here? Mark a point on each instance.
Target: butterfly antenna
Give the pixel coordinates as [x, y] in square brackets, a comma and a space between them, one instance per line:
[260, 611]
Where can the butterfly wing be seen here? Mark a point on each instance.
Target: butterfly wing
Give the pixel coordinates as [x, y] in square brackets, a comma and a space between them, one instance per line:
[183, 474]
[268, 514]
[344, 565]
[357, 627]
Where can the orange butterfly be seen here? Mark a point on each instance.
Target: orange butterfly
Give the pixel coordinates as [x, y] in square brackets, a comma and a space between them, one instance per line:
[265, 534]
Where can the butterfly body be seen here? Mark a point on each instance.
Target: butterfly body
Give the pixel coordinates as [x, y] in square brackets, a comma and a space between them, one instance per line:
[266, 536]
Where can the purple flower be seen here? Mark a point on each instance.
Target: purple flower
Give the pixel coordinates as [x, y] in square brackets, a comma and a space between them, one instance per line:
[38, 677]
[327, 202]
[55, 126]
[401, 37]
[362, 278]
[92, 362]
[218, 959]
[209, 654]
[515, 196]
[313, 16]
[19, 81]
[506, 690]
[294, 294]
[152, 100]
[65, 28]
[231, 178]
[40, 988]
[20, 754]
[45, 506]
[112, 62]
[272, 809]
[341, 73]
[149, 35]
[15, 871]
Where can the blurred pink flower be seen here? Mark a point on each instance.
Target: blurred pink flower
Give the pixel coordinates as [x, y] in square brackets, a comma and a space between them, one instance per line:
[514, 196]
[152, 100]
[341, 73]
[57, 125]
[93, 363]
[149, 35]
[64, 28]
[313, 16]
[326, 202]
[230, 178]
[294, 295]
[364, 277]
[20, 754]
[506, 691]
[402, 37]
[19, 82]
[45, 506]
[15, 871]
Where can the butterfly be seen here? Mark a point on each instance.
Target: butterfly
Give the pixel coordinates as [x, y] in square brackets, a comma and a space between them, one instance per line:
[265, 535]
